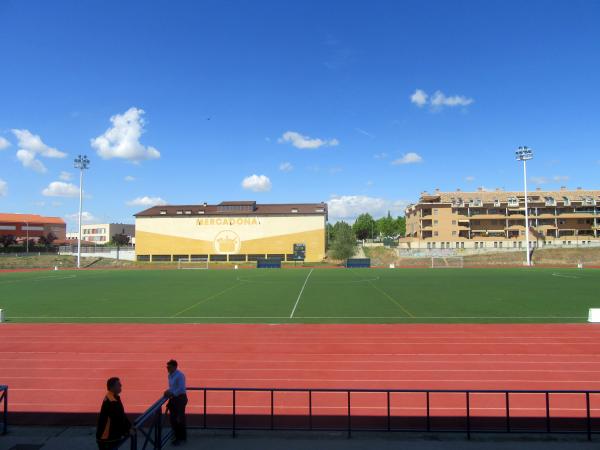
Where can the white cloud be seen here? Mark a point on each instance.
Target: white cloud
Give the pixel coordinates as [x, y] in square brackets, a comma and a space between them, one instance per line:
[365, 132]
[257, 183]
[86, 217]
[348, 207]
[335, 170]
[146, 201]
[439, 100]
[380, 155]
[129, 178]
[61, 189]
[305, 142]
[286, 167]
[65, 176]
[4, 143]
[3, 188]
[560, 178]
[470, 178]
[30, 147]
[419, 98]
[122, 140]
[408, 158]
[539, 180]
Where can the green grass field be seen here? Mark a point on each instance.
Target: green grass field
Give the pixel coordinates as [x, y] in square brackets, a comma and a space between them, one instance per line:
[301, 296]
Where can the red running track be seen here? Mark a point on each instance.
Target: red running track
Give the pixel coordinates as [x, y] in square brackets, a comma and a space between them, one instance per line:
[62, 368]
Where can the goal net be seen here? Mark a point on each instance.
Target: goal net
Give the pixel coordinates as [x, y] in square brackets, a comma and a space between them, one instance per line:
[198, 263]
[444, 262]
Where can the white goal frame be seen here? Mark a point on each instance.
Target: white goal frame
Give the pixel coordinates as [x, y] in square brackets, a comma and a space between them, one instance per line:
[193, 264]
[447, 262]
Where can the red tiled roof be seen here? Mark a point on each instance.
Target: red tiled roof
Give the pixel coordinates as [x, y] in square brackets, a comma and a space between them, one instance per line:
[29, 218]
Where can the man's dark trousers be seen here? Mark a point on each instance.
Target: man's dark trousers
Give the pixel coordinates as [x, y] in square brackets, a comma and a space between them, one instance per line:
[177, 410]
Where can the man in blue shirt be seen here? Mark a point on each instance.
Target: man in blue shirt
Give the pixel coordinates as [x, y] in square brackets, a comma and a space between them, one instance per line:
[177, 401]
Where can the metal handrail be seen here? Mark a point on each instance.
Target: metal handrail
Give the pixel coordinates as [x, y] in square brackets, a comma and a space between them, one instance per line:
[153, 416]
[4, 400]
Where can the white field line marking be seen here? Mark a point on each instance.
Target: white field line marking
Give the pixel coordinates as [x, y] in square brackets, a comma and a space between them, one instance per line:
[204, 300]
[37, 279]
[300, 294]
[564, 276]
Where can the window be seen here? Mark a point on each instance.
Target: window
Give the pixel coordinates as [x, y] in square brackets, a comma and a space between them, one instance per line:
[462, 245]
[496, 202]
[433, 245]
[454, 233]
[435, 233]
[163, 212]
[495, 245]
[566, 201]
[435, 211]
[179, 211]
[476, 244]
[454, 222]
[500, 244]
[188, 211]
[513, 201]
[9, 227]
[550, 201]
[435, 222]
[457, 244]
[319, 210]
[294, 210]
[201, 212]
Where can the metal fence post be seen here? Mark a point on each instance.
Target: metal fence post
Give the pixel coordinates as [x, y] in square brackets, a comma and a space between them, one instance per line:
[272, 410]
[389, 424]
[349, 418]
[547, 412]
[233, 427]
[507, 412]
[589, 418]
[158, 430]
[468, 415]
[204, 409]
[428, 416]
[310, 421]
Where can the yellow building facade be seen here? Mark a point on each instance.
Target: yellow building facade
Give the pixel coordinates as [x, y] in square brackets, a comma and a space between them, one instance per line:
[231, 231]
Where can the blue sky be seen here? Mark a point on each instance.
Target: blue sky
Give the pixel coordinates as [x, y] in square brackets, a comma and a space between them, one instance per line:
[362, 104]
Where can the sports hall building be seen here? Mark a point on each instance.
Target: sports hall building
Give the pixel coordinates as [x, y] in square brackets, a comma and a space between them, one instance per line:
[32, 226]
[496, 219]
[234, 231]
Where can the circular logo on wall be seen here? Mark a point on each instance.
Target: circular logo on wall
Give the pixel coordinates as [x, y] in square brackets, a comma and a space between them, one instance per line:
[227, 242]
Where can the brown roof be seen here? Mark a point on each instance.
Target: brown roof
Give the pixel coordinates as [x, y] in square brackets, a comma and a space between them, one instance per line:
[29, 218]
[503, 196]
[217, 210]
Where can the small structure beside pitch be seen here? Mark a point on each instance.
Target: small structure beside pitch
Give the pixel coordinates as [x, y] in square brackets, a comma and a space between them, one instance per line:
[594, 315]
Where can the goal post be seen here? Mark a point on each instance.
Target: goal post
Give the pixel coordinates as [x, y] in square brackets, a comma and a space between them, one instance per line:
[446, 262]
[193, 263]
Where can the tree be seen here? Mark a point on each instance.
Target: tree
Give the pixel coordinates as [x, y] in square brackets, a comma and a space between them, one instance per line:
[47, 240]
[364, 226]
[7, 240]
[343, 245]
[401, 225]
[120, 239]
[386, 226]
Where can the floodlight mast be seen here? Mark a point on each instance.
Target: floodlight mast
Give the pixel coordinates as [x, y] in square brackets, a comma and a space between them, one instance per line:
[82, 163]
[524, 154]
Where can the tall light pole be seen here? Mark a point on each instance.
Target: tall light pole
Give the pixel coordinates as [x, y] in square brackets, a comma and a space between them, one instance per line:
[82, 163]
[525, 154]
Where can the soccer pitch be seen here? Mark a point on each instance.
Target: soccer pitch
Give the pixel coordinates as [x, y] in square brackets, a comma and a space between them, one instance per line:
[301, 296]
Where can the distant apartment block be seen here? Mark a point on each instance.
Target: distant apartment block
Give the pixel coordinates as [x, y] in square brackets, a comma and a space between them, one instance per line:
[102, 233]
[496, 219]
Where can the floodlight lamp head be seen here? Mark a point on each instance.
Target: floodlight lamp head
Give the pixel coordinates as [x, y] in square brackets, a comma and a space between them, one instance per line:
[524, 153]
[82, 162]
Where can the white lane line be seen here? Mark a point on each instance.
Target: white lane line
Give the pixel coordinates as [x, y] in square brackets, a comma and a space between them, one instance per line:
[53, 277]
[299, 317]
[300, 294]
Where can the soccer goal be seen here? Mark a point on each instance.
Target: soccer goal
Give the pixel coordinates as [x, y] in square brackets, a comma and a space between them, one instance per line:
[194, 263]
[445, 262]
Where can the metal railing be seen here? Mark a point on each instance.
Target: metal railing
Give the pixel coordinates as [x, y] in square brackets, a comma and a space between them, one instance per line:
[4, 400]
[150, 424]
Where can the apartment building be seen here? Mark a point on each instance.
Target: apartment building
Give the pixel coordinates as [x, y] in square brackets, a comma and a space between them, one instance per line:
[31, 226]
[496, 219]
[102, 233]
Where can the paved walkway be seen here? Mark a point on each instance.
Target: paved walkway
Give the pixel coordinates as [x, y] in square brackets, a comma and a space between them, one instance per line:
[82, 438]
